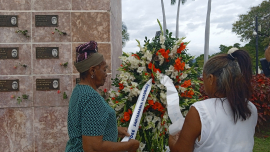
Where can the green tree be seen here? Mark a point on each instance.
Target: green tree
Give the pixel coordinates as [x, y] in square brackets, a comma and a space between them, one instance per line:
[125, 34]
[246, 24]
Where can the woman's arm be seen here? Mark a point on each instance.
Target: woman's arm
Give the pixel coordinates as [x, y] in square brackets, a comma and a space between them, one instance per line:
[190, 132]
[96, 144]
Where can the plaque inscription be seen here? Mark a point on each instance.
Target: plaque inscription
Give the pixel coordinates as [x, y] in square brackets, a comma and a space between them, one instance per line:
[46, 20]
[9, 85]
[47, 52]
[8, 21]
[77, 80]
[47, 84]
[9, 53]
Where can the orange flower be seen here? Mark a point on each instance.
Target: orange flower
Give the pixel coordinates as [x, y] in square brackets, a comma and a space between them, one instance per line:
[178, 65]
[155, 70]
[151, 102]
[146, 108]
[151, 66]
[186, 84]
[126, 116]
[122, 120]
[161, 51]
[121, 86]
[153, 78]
[136, 56]
[129, 111]
[187, 94]
[166, 54]
[161, 108]
[181, 48]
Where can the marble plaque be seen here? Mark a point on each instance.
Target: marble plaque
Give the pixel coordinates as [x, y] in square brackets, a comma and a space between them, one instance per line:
[47, 52]
[46, 20]
[9, 53]
[77, 80]
[9, 85]
[8, 21]
[47, 84]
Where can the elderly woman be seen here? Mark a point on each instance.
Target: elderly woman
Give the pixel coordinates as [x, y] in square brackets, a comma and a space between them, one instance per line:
[92, 125]
[226, 121]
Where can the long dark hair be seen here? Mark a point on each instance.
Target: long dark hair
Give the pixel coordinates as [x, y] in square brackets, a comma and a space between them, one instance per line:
[234, 73]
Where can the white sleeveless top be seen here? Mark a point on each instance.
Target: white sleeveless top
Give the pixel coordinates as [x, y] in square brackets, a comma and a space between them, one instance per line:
[219, 133]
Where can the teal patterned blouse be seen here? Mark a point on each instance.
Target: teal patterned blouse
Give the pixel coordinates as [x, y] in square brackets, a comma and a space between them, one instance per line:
[89, 115]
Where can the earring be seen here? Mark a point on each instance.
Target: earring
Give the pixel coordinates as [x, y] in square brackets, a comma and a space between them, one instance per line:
[92, 76]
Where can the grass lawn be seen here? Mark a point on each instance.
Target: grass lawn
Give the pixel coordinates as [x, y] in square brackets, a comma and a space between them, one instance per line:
[261, 144]
[262, 139]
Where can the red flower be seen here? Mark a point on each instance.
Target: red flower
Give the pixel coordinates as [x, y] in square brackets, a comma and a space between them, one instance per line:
[121, 86]
[122, 120]
[151, 66]
[116, 101]
[181, 48]
[129, 111]
[52, 32]
[151, 102]
[113, 98]
[126, 116]
[58, 91]
[145, 73]
[105, 90]
[155, 70]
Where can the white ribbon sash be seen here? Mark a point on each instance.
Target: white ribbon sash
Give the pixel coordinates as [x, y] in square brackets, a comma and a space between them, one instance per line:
[137, 114]
[172, 107]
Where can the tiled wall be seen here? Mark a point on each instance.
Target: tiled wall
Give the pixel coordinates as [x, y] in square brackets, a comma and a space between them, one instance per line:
[39, 123]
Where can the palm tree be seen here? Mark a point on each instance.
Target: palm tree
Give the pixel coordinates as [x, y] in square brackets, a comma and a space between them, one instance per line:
[178, 11]
[164, 18]
[207, 32]
[125, 35]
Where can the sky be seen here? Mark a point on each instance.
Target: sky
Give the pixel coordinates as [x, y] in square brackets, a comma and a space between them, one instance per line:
[141, 16]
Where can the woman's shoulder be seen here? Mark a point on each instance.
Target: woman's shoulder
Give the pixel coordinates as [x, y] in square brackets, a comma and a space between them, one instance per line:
[206, 101]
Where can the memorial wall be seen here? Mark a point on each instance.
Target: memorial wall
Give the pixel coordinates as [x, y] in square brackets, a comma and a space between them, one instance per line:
[38, 39]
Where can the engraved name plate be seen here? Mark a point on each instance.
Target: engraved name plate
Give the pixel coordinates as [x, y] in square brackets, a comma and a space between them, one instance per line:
[9, 85]
[77, 80]
[46, 20]
[9, 53]
[8, 21]
[47, 52]
[47, 84]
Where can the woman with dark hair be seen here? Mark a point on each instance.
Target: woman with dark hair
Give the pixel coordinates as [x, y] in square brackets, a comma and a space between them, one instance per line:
[226, 121]
[92, 124]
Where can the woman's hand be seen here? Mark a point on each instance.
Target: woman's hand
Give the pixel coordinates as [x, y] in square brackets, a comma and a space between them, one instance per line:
[122, 132]
[134, 145]
[173, 139]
